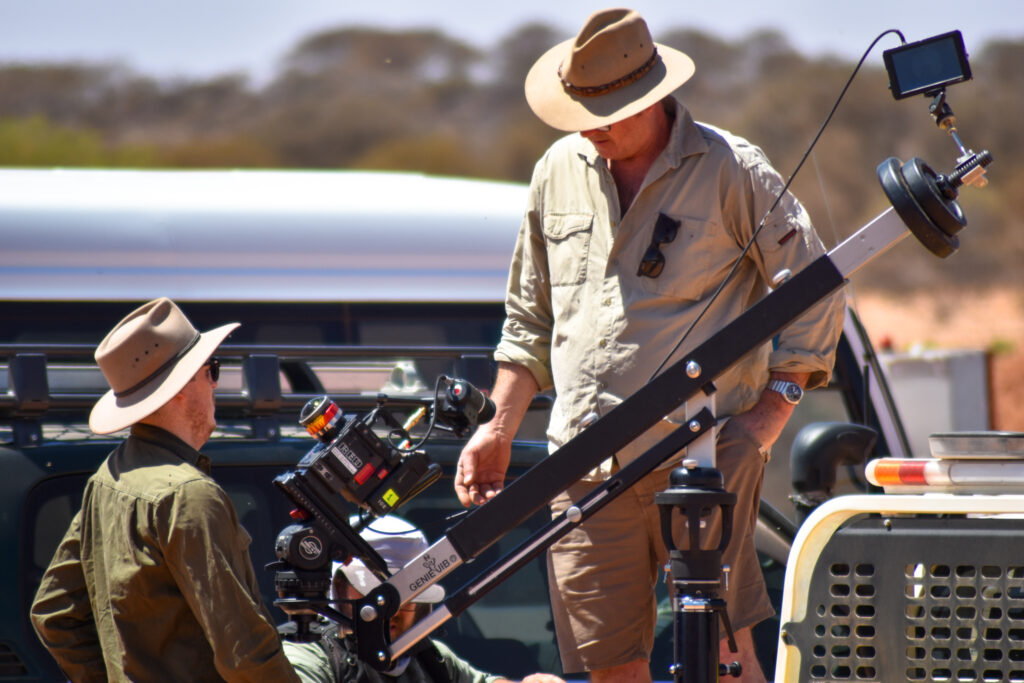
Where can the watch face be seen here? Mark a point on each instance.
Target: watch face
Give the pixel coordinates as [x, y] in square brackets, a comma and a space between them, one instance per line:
[790, 391]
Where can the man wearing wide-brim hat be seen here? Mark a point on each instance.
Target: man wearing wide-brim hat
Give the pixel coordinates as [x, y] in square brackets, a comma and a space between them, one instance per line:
[152, 581]
[634, 221]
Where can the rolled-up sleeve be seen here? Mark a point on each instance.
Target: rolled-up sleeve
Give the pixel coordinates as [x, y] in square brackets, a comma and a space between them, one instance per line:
[788, 242]
[526, 335]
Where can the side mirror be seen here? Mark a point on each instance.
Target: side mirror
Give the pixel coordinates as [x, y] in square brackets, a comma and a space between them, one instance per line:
[818, 451]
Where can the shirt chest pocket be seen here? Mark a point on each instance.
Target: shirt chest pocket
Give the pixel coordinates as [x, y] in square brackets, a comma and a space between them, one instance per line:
[693, 259]
[567, 239]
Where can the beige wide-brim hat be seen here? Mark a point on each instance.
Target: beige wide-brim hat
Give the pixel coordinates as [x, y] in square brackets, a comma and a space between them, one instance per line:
[610, 71]
[147, 359]
[398, 543]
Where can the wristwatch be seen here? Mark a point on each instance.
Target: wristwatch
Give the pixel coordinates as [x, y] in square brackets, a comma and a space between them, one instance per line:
[791, 391]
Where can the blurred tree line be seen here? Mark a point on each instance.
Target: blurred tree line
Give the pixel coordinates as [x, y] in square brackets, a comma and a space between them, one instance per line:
[423, 101]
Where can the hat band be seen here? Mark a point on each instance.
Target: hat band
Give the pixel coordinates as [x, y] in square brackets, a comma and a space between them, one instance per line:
[156, 373]
[594, 90]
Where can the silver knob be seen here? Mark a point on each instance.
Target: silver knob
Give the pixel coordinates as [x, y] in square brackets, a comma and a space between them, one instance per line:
[780, 277]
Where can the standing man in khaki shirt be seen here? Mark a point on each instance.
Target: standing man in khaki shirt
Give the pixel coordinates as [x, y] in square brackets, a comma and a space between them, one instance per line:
[632, 226]
[152, 581]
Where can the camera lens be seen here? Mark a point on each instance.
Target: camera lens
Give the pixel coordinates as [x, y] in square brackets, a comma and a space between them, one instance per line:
[320, 416]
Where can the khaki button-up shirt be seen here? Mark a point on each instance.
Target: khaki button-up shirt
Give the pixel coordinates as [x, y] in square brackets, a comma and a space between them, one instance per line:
[153, 581]
[581, 319]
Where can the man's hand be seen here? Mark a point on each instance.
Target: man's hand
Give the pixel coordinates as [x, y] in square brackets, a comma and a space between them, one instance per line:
[484, 460]
[767, 418]
[480, 475]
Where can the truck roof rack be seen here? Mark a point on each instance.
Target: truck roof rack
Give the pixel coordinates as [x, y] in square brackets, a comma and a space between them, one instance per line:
[259, 385]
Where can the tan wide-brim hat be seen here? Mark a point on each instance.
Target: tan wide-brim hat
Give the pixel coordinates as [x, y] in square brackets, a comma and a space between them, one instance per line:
[147, 359]
[610, 71]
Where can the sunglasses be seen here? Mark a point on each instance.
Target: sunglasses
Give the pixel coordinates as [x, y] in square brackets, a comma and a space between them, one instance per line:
[653, 262]
[213, 368]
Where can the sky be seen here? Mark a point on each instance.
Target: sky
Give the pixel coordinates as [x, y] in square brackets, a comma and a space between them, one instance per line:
[197, 39]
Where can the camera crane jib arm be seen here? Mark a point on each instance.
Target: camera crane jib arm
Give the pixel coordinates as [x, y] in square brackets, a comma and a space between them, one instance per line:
[923, 203]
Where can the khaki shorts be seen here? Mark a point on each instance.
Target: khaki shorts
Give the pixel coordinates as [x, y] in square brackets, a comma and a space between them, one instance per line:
[603, 572]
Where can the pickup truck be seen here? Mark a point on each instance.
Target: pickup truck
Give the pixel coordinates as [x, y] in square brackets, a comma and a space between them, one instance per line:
[342, 290]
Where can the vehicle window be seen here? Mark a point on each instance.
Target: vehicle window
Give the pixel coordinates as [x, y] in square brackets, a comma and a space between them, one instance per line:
[49, 508]
[54, 516]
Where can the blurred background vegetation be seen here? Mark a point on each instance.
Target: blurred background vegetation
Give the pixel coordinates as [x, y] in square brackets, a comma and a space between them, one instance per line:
[423, 101]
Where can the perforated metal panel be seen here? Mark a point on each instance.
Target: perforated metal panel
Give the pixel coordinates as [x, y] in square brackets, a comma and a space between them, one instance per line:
[925, 598]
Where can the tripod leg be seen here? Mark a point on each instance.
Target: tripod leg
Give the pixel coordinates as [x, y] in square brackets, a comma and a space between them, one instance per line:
[696, 641]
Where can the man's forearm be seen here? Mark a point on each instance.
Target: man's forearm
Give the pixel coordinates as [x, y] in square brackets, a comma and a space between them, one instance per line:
[514, 389]
[767, 418]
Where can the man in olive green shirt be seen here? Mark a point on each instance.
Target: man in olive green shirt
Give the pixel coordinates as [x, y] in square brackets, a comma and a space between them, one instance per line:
[152, 581]
[642, 231]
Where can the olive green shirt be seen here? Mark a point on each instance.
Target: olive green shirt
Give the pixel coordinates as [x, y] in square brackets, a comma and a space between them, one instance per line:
[313, 664]
[583, 322]
[153, 581]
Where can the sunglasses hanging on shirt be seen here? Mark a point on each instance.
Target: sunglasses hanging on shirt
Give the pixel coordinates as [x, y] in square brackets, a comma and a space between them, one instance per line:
[653, 262]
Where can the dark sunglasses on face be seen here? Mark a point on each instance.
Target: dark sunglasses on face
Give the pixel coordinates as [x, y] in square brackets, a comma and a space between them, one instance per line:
[653, 262]
[213, 368]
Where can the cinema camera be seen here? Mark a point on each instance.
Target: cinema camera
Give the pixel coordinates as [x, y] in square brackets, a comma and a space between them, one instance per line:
[377, 475]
